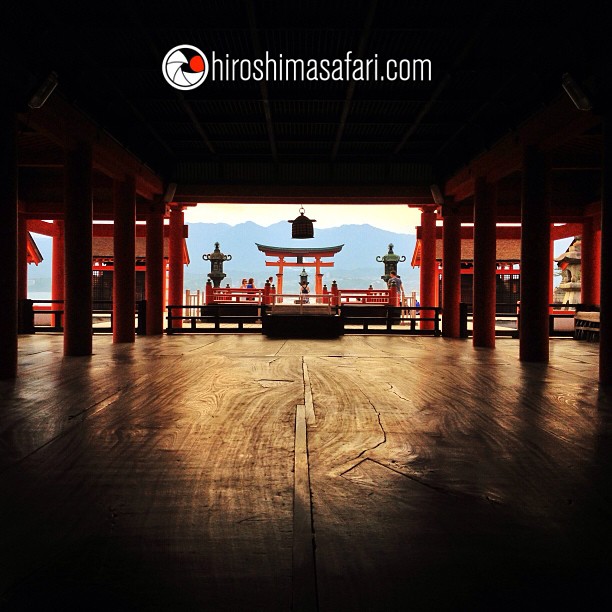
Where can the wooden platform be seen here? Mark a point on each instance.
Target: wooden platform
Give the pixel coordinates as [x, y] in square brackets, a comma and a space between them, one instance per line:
[247, 473]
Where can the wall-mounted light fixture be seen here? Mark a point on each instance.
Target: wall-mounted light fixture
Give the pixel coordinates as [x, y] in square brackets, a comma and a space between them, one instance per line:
[169, 193]
[576, 93]
[436, 194]
[45, 89]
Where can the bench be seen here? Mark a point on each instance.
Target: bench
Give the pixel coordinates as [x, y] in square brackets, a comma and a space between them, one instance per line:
[586, 326]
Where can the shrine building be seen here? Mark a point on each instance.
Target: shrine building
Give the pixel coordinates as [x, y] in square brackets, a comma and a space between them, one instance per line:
[403, 465]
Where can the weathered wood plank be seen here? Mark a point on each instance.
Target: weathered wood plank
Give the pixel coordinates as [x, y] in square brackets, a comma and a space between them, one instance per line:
[159, 475]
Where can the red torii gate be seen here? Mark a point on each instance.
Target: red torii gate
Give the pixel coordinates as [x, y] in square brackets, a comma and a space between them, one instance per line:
[317, 253]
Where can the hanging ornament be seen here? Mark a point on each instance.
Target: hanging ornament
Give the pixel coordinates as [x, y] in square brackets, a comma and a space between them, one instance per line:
[302, 226]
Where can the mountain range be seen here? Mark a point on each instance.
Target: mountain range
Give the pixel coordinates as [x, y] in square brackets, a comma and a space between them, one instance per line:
[355, 266]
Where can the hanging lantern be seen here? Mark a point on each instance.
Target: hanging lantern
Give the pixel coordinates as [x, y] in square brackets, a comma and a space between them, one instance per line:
[302, 226]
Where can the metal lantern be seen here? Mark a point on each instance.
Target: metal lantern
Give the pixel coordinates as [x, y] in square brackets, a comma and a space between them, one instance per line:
[302, 226]
[216, 259]
[390, 260]
[303, 276]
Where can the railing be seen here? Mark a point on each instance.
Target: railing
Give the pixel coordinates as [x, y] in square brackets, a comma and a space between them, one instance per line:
[372, 318]
[363, 296]
[37, 316]
[226, 295]
[215, 317]
[560, 320]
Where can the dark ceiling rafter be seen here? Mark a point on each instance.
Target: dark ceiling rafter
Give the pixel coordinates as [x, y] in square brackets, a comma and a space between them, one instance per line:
[181, 99]
[196, 122]
[263, 85]
[84, 51]
[350, 91]
[484, 23]
[472, 118]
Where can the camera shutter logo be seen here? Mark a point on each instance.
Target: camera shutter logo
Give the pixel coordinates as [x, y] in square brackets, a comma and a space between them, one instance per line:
[185, 67]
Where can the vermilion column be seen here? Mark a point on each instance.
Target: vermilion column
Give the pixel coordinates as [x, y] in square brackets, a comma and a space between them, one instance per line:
[451, 272]
[429, 269]
[155, 273]
[57, 261]
[8, 243]
[77, 251]
[175, 289]
[605, 342]
[485, 264]
[318, 277]
[22, 258]
[589, 269]
[597, 274]
[535, 258]
[124, 246]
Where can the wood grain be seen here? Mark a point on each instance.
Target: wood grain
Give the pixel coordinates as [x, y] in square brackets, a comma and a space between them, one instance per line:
[159, 475]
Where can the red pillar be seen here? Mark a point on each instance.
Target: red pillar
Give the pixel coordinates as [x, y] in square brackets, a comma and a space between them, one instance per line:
[124, 247]
[77, 251]
[535, 258]
[551, 288]
[57, 262]
[8, 243]
[451, 272]
[605, 335]
[22, 258]
[155, 274]
[597, 273]
[429, 267]
[175, 290]
[590, 271]
[485, 264]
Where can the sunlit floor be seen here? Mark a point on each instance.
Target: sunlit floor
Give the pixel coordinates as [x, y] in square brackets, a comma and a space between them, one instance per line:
[161, 476]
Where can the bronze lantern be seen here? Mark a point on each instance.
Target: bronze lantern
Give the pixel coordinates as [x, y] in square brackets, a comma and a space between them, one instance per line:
[390, 260]
[302, 226]
[216, 259]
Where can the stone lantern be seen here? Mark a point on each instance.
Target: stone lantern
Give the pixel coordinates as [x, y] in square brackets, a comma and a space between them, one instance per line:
[216, 259]
[390, 260]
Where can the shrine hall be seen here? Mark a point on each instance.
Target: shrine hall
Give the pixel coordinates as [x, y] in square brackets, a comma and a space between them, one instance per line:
[185, 459]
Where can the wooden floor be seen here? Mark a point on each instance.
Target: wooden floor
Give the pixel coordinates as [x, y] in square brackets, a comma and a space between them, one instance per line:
[236, 472]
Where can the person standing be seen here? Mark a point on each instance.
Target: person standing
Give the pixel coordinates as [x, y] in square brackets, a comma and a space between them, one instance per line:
[396, 282]
[305, 290]
[250, 285]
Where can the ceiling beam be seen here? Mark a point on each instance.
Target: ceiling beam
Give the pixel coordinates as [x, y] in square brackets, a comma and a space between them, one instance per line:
[307, 194]
[196, 122]
[65, 125]
[350, 91]
[555, 125]
[482, 26]
[263, 85]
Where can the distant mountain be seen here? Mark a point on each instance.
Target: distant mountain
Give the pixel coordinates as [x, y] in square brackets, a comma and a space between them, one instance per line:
[354, 267]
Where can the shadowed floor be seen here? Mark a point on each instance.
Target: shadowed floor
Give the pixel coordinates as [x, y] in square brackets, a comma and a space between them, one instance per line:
[160, 476]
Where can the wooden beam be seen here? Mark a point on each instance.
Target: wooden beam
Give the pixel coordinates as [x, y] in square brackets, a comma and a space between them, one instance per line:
[550, 128]
[304, 194]
[263, 85]
[350, 90]
[65, 125]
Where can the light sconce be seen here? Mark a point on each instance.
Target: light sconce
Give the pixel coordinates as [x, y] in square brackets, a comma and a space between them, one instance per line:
[576, 93]
[45, 89]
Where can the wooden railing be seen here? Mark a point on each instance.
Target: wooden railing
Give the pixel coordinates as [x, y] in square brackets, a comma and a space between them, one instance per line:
[215, 317]
[557, 313]
[382, 318]
[37, 316]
